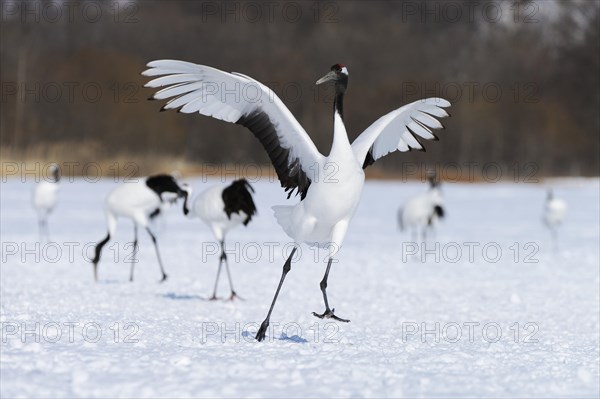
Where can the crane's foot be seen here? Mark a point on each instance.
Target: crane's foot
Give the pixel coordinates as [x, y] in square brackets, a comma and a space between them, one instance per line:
[213, 298]
[262, 331]
[233, 296]
[163, 279]
[328, 314]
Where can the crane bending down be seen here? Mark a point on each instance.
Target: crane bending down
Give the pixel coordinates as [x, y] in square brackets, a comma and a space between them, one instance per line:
[326, 207]
[140, 201]
[45, 197]
[222, 209]
[421, 212]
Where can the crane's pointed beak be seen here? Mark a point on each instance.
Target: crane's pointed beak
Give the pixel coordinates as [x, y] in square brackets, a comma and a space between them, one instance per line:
[330, 76]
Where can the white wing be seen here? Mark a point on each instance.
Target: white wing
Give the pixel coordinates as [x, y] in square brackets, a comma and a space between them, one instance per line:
[236, 98]
[400, 129]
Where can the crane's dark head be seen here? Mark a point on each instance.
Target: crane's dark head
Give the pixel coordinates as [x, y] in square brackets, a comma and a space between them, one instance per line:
[55, 172]
[337, 74]
[167, 188]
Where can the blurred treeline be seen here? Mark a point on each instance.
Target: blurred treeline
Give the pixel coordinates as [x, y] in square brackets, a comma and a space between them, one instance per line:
[72, 90]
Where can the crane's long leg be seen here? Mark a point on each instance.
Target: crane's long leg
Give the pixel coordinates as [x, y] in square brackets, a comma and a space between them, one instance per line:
[432, 232]
[135, 248]
[214, 295]
[162, 270]
[554, 238]
[287, 266]
[41, 228]
[224, 258]
[46, 228]
[98, 251]
[328, 314]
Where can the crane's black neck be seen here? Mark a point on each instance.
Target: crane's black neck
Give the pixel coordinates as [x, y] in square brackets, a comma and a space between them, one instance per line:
[338, 104]
[167, 183]
[186, 210]
[340, 88]
[432, 183]
[55, 175]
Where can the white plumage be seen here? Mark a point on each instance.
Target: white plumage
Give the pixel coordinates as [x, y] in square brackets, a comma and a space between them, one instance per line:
[45, 198]
[330, 186]
[223, 208]
[139, 201]
[210, 208]
[228, 97]
[399, 130]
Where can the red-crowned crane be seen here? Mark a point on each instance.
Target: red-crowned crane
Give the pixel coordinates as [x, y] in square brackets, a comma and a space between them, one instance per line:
[140, 201]
[329, 186]
[422, 211]
[223, 208]
[45, 197]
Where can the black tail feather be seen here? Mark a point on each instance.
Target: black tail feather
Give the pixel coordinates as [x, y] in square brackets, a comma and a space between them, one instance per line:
[238, 197]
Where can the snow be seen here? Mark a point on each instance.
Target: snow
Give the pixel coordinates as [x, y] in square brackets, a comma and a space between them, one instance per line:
[167, 340]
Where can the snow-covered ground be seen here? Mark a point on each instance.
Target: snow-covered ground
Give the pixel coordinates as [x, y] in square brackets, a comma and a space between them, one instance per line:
[489, 310]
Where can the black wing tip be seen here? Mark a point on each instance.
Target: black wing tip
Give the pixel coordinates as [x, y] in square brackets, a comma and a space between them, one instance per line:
[164, 109]
[415, 136]
[440, 211]
[424, 126]
[290, 175]
[369, 160]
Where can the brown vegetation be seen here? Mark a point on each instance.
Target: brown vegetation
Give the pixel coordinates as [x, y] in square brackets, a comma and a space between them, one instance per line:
[547, 68]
